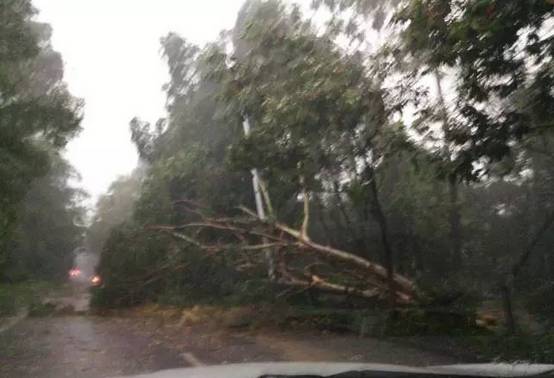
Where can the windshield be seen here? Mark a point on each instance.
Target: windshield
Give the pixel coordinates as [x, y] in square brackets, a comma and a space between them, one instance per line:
[196, 183]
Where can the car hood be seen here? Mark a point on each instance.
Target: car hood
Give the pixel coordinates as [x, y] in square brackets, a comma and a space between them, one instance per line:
[255, 370]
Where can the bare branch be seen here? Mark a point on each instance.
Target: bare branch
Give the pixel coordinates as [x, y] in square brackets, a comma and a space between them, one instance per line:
[255, 234]
[322, 284]
[188, 239]
[306, 200]
[262, 246]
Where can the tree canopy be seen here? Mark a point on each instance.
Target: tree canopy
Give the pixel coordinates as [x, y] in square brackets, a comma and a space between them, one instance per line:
[37, 114]
[418, 167]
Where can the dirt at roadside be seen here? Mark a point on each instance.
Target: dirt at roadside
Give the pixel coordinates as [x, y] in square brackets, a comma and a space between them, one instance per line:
[307, 346]
[228, 336]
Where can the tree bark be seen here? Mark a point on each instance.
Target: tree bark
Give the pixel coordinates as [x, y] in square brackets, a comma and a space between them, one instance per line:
[259, 193]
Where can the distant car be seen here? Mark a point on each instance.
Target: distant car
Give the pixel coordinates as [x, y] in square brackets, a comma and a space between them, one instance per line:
[95, 280]
[74, 273]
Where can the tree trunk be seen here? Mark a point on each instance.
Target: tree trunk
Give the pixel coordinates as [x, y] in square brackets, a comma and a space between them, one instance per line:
[258, 197]
[453, 193]
[320, 209]
[359, 242]
[516, 268]
[455, 223]
[508, 308]
[388, 260]
[507, 286]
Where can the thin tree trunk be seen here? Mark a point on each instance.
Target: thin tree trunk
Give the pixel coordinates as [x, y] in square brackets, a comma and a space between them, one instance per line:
[507, 286]
[258, 197]
[419, 267]
[350, 226]
[320, 208]
[453, 192]
[388, 260]
[516, 268]
[455, 234]
[508, 308]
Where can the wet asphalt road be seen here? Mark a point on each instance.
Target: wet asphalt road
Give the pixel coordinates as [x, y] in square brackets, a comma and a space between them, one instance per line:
[80, 346]
[83, 345]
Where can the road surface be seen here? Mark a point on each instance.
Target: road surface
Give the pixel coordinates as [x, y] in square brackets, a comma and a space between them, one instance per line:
[83, 345]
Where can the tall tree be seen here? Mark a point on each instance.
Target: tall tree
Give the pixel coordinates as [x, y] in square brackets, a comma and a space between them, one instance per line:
[494, 51]
[49, 226]
[318, 117]
[37, 114]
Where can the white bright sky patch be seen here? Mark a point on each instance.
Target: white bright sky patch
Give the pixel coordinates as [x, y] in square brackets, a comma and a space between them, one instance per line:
[111, 51]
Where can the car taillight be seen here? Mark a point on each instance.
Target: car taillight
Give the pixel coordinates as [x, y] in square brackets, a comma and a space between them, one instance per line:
[74, 272]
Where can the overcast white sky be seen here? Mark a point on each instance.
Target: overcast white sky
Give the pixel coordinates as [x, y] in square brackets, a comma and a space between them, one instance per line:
[112, 61]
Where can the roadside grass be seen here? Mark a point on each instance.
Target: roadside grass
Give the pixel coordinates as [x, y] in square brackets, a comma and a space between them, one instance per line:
[533, 348]
[436, 331]
[533, 341]
[14, 297]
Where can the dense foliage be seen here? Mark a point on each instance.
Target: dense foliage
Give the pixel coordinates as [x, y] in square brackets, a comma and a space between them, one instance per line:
[37, 118]
[52, 213]
[431, 155]
[183, 157]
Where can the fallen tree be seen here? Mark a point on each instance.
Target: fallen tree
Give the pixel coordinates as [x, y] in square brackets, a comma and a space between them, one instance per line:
[300, 261]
